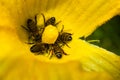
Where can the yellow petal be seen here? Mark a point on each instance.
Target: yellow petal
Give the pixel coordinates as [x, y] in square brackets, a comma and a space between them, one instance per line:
[75, 15]
[87, 57]
[91, 57]
[95, 58]
[81, 17]
[23, 68]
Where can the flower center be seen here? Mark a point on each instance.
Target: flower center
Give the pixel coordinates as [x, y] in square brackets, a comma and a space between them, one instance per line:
[50, 35]
[47, 39]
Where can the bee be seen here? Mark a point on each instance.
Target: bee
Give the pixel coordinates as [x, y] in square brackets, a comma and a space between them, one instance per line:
[32, 29]
[57, 51]
[50, 21]
[39, 48]
[64, 37]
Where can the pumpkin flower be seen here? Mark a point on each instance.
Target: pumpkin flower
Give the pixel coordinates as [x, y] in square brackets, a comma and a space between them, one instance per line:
[84, 61]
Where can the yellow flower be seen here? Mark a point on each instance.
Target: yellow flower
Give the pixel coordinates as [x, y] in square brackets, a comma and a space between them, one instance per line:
[79, 17]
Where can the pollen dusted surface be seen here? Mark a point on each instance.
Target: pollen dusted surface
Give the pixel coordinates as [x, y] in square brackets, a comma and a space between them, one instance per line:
[50, 34]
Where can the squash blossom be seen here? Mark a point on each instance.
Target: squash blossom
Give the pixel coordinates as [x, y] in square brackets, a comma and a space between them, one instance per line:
[79, 17]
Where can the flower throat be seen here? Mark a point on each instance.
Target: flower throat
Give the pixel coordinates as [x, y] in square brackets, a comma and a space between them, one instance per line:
[47, 39]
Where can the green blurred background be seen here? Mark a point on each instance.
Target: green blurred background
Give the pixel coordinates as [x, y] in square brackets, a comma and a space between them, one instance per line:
[109, 35]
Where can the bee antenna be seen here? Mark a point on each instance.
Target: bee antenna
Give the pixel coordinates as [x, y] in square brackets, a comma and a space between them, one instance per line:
[62, 29]
[43, 18]
[36, 18]
[57, 23]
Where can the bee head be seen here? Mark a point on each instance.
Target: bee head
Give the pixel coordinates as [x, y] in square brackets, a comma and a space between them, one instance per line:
[69, 38]
[30, 22]
[52, 20]
[58, 55]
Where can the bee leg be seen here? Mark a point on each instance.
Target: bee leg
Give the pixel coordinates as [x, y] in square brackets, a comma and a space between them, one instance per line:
[29, 43]
[41, 30]
[51, 53]
[65, 53]
[36, 19]
[47, 48]
[41, 53]
[62, 29]
[30, 35]
[25, 28]
[66, 44]
[36, 53]
[31, 38]
[57, 23]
